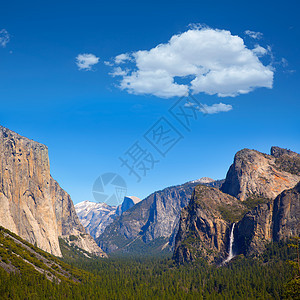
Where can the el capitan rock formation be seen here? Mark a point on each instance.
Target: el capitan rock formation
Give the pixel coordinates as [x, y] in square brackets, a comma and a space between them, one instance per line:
[32, 204]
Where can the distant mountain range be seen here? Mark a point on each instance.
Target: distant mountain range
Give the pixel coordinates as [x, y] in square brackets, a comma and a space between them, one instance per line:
[150, 226]
[95, 217]
[256, 204]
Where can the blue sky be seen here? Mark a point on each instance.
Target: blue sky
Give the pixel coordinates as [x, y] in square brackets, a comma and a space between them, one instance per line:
[88, 121]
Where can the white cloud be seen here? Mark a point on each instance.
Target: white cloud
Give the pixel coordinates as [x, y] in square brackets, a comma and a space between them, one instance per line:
[118, 72]
[210, 61]
[189, 104]
[86, 61]
[108, 63]
[156, 82]
[122, 58]
[259, 50]
[4, 37]
[254, 34]
[284, 62]
[210, 109]
[198, 26]
[215, 108]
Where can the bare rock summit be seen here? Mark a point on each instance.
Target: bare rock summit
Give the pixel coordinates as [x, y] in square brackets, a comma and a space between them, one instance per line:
[260, 175]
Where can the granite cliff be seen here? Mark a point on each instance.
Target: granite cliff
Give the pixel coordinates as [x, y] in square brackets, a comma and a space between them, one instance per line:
[32, 204]
[257, 174]
[276, 220]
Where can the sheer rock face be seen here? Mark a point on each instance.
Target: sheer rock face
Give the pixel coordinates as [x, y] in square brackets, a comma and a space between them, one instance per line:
[257, 174]
[32, 204]
[254, 231]
[277, 220]
[128, 202]
[286, 214]
[205, 225]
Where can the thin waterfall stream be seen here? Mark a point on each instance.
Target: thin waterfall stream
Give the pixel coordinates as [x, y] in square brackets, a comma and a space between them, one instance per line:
[231, 240]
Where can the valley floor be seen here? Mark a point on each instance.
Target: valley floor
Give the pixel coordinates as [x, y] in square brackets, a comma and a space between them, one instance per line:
[266, 277]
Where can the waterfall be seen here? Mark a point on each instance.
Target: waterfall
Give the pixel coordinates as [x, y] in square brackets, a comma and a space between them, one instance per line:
[231, 240]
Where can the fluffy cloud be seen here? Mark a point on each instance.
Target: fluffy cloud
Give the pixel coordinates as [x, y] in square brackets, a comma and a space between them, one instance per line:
[215, 108]
[86, 61]
[118, 72]
[254, 34]
[122, 58]
[259, 50]
[211, 109]
[199, 60]
[4, 37]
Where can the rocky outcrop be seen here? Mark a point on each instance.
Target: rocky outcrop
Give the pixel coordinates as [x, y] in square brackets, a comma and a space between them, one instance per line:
[257, 174]
[32, 204]
[286, 160]
[271, 222]
[254, 231]
[68, 223]
[151, 225]
[95, 217]
[205, 224]
[286, 214]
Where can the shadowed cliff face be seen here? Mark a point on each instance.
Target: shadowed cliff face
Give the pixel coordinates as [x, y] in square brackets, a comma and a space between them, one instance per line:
[274, 221]
[254, 231]
[261, 175]
[205, 224]
[286, 214]
[32, 204]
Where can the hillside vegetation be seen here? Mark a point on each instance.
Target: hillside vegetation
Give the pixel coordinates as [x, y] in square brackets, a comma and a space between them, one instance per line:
[27, 272]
